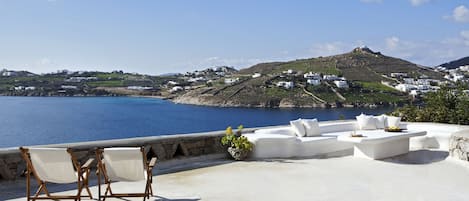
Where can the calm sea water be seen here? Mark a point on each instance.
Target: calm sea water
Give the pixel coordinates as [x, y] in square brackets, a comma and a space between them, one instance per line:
[47, 120]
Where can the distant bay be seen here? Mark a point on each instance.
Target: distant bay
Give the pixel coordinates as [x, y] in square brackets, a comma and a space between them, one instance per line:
[50, 120]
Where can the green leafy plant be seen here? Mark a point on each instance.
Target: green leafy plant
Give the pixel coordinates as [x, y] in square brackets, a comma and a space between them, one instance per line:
[448, 105]
[236, 140]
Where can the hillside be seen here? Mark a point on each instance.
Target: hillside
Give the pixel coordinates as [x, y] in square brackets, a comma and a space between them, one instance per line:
[363, 69]
[361, 64]
[456, 63]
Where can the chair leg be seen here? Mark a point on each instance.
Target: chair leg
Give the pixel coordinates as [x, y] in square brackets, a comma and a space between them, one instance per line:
[28, 185]
[39, 190]
[86, 187]
[99, 186]
[108, 189]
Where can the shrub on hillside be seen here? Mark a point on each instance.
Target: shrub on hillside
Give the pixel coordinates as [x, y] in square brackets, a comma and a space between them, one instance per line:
[444, 106]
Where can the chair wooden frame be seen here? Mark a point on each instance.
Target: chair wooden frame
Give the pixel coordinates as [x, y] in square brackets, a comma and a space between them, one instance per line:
[101, 170]
[83, 173]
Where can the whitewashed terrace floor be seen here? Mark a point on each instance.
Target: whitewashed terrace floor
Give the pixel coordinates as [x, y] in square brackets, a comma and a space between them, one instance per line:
[420, 175]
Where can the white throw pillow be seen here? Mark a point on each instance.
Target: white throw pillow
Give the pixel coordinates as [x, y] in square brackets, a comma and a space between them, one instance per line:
[393, 121]
[298, 128]
[380, 121]
[366, 122]
[311, 127]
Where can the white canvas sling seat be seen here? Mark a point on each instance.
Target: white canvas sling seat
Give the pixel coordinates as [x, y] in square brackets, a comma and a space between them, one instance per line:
[55, 165]
[127, 164]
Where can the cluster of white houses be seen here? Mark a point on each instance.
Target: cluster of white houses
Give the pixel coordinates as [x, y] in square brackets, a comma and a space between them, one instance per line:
[80, 79]
[455, 75]
[315, 79]
[405, 83]
[424, 85]
[24, 88]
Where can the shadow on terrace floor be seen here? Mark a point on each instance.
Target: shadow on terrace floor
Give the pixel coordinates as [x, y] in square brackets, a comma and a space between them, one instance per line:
[17, 188]
[419, 157]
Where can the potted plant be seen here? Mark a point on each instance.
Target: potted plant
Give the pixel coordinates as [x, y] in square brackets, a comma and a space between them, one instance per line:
[239, 146]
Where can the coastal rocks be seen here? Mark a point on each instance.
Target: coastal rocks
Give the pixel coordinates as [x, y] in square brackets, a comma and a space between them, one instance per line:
[459, 145]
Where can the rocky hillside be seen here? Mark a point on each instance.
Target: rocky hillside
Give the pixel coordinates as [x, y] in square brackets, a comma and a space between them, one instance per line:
[363, 69]
[361, 64]
[456, 63]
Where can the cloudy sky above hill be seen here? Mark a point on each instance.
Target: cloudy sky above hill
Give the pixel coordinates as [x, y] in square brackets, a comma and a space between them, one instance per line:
[158, 37]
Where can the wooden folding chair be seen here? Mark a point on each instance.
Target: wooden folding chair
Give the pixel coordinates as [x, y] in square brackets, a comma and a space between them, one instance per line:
[55, 165]
[124, 164]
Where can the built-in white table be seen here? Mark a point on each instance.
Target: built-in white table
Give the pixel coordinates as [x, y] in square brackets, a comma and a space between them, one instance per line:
[378, 144]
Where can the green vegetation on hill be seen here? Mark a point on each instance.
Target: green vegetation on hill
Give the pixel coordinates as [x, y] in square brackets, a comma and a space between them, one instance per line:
[445, 106]
[361, 64]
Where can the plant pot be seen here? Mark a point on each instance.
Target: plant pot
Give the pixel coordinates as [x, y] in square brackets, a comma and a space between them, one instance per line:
[238, 154]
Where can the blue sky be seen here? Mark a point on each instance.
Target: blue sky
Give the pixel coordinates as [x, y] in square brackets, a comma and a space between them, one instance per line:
[156, 37]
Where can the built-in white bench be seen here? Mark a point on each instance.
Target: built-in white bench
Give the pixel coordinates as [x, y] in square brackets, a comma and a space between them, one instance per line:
[437, 135]
[281, 141]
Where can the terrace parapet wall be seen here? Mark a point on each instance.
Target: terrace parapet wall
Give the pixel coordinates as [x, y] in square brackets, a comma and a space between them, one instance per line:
[165, 148]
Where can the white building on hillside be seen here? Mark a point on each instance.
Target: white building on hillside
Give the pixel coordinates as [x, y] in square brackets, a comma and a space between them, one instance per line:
[289, 71]
[19, 88]
[330, 77]
[313, 82]
[408, 80]
[231, 80]
[312, 75]
[172, 83]
[176, 89]
[398, 74]
[256, 75]
[341, 83]
[80, 79]
[405, 87]
[464, 68]
[68, 87]
[197, 79]
[139, 88]
[286, 85]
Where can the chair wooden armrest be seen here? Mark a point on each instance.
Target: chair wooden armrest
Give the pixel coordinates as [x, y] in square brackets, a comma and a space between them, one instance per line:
[152, 162]
[87, 164]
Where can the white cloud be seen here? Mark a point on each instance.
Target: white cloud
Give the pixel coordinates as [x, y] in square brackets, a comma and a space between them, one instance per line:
[460, 14]
[418, 2]
[465, 36]
[392, 42]
[371, 1]
[428, 53]
[332, 48]
[44, 61]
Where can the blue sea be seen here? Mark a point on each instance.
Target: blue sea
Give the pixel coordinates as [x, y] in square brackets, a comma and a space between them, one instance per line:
[49, 120]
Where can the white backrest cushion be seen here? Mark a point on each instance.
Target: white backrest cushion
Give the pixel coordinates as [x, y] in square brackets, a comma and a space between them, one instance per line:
[311, 127]
[338, 127]
[366, 122]
[298, 128]
[124, 163]
[53, 165]
[393, 121]
[381, 121]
